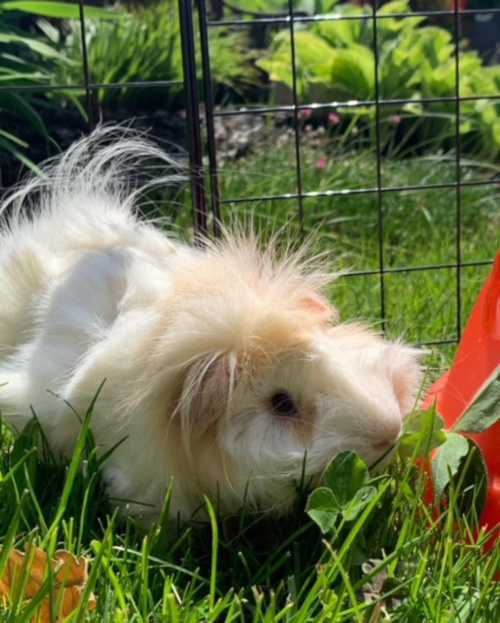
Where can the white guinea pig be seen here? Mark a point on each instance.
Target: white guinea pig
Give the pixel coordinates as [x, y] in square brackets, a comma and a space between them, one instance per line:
[224, 368]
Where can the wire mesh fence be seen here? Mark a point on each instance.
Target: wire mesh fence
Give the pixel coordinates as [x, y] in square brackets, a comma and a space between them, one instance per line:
[372, 128]
[452, 181]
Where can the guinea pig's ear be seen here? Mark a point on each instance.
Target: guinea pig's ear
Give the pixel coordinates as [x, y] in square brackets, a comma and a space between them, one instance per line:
[319, 306]
[207, 392]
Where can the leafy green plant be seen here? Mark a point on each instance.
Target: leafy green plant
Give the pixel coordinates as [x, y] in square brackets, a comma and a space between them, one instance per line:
[145, 46]
[348, 491]
[29, 60]
[24, 61]
[336, 62]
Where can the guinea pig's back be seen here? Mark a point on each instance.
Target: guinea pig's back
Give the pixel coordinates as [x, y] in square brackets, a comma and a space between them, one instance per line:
[78, 271]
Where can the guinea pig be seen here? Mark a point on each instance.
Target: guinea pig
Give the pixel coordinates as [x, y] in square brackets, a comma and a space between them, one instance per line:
[225, 368]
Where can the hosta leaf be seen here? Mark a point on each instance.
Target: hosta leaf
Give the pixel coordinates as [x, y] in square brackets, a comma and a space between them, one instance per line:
[352, 72]
[342, 32]
[312, 52]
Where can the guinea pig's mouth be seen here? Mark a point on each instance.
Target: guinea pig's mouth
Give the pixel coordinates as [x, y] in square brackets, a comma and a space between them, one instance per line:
[386, 451]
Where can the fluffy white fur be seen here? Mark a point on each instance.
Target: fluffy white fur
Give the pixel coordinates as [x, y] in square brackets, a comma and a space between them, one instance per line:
[193, 346]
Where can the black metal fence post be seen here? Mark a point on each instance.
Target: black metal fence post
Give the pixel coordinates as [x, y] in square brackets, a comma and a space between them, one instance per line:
[209, 117]
[193, 120]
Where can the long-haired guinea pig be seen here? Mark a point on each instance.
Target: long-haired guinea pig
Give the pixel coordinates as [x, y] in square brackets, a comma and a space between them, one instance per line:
[224, 368]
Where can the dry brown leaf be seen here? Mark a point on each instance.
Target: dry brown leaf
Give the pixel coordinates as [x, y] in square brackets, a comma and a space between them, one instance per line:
[25, 573]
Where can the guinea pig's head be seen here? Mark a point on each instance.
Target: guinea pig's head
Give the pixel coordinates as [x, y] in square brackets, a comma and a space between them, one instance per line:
[275, 389]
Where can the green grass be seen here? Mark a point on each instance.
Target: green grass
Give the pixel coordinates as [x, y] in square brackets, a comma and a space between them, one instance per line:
[395, 556]
[417, 565]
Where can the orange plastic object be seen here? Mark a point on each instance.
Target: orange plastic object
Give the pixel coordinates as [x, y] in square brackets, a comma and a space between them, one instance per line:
[477, 357]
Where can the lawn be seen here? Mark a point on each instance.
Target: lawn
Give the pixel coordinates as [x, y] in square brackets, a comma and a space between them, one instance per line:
[394, 561]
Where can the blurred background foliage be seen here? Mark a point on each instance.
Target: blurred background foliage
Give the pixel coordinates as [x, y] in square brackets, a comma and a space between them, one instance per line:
[44, 105]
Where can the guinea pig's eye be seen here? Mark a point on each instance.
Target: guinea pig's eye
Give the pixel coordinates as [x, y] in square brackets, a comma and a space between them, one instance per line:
[282, 404]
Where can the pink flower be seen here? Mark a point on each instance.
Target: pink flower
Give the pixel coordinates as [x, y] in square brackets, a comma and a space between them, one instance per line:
[333, 117]
[305, 112]
[394, 119]
[321, 163]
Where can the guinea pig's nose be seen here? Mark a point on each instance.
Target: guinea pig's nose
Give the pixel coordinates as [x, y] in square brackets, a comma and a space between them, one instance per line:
[388, 434]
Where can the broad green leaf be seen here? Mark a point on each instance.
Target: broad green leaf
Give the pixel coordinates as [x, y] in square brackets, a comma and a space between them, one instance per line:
[279, 68]
[342, 32]
[466, 126]
[352, 72]
[447, 460]
[395, 6]
[323, 509]
[59, 10]
[268, 6]
[323, 6]
[345, 476]
[311, 49]
[484, 410]
[394, 25]
[423, 431]
[312, 52]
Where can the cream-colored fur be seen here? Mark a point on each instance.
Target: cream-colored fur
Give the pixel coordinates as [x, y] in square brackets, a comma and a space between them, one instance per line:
[196, 348]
